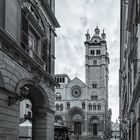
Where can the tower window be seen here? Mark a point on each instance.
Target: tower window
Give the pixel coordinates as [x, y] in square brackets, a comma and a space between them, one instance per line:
[92, 52]
[94, 97]
[83, 105]
[94, 85]
[63, 80]
[94, 62]
[98, 52]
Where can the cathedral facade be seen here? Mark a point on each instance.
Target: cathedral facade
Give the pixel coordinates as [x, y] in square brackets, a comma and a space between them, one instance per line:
[84, 106]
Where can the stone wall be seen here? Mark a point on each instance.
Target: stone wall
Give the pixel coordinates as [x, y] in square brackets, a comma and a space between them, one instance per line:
[12, 73]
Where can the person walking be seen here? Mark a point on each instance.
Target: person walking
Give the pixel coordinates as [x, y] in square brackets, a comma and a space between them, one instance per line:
[77, 136]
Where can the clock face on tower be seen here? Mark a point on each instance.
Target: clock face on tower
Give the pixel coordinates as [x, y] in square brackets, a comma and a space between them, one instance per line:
[76, 92]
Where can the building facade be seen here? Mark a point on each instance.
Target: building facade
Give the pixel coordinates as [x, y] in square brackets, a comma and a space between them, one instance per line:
[129, 91]
[115, 131]
[84, 106]
[27, 33]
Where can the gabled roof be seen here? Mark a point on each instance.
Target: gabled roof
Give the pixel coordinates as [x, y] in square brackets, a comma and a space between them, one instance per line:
[77, 81]
[95, 40]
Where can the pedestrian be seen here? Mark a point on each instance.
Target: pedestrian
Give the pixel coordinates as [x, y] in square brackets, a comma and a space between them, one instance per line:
[67, 137]
[77, 136]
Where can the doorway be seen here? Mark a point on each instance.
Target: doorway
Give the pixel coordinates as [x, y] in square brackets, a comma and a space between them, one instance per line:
[77, 128]
[95, 129]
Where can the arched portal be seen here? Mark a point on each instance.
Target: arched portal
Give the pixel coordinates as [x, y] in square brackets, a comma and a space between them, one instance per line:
[75, 120]
[40, 108]
[94, 125]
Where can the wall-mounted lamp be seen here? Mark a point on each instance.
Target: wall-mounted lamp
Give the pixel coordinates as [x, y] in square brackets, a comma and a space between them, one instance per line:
[24, 94]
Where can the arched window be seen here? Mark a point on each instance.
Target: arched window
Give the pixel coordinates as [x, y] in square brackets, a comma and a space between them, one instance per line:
[90, 106]
[63, 79]
[94, 97]
[94, 85]
[94, 106]
[83, 105]
[98, 52]
[68, 105]
[57, 79]
[61, 107]
[57, 107]
[92, 52]
[99, 106]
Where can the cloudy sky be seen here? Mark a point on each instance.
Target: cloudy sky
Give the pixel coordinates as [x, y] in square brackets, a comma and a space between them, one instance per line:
[75, 17]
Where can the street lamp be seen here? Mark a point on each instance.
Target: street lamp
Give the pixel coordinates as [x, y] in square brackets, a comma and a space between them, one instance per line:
[24, 94]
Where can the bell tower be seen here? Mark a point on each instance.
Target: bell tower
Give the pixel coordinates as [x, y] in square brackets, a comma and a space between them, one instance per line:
[96, 68]
[96, 59]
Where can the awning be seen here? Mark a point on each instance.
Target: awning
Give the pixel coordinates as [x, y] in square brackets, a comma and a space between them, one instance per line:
[26, 123]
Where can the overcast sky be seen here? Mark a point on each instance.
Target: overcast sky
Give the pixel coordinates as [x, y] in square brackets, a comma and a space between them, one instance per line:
[75, 17]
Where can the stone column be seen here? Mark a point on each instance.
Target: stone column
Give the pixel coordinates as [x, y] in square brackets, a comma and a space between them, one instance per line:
[86, 127]
[43, 124]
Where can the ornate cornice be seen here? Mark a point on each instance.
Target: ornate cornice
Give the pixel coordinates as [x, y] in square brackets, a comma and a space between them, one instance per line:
[50, 13]
[15, 51]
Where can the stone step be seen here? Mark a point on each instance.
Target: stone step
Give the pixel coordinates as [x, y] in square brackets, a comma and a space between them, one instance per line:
[85, 138]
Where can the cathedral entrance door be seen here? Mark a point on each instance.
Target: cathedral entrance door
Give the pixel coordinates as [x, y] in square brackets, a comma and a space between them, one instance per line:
[95, 129]
[77, 128]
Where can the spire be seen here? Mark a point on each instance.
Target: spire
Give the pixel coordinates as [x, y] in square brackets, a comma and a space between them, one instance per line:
[97, 31]
[87, 31]
[103, 35]
[87, 35]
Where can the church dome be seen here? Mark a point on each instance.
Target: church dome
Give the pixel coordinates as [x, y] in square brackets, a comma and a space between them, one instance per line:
[97, 31]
